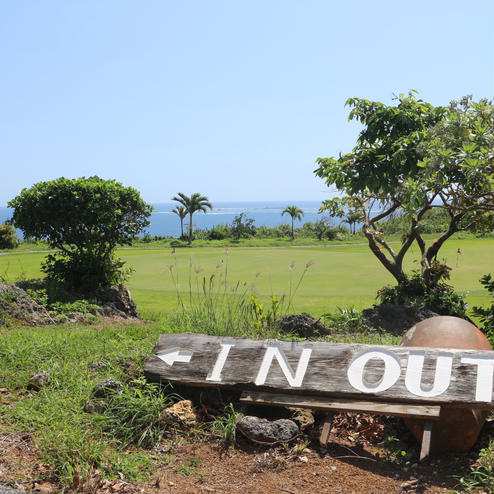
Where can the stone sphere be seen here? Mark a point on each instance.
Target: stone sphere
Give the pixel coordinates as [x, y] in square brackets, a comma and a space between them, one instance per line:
[446, 332]
[458, 428]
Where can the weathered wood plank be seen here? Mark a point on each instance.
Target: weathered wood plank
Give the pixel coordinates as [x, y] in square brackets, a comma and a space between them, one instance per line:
[326, 430]
[430, 412]
[382, 373]
[426, 440]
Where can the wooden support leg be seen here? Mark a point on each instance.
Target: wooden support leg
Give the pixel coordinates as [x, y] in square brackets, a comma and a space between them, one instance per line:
[426, 440]
[326, 429]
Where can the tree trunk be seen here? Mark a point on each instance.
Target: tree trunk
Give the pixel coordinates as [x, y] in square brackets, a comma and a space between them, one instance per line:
[190, 228]
[395, 268]
[293, 236]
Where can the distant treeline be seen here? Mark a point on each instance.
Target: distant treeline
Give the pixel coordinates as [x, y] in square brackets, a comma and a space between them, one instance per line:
[245, 228]
[435, 221]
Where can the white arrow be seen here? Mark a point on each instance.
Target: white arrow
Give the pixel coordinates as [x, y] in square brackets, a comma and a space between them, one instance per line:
[175, 355]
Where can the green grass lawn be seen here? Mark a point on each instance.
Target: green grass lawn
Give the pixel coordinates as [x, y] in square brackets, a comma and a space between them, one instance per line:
[342, 275]
[73, 442]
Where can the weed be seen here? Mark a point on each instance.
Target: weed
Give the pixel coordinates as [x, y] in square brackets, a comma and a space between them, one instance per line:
[345, 319]
[133, 465]
[214, 305]
[226, 426]
[191, 467]
[481, 476]
[132, 416]
[390, 449]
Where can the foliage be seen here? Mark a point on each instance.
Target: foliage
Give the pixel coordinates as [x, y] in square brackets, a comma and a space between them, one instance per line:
[218, 232]
[295, 213]
[481, 476]
[85, 219]
[226, 425]
[242, 227]
[215, 305]
[486, 314]
[279, 231]
[347, 319]
[433, 221]
[133, 415]
[82, 274]
[413, 158]
[264, 318]
[71, 442]
[392, 450]
[439, 298]
[192, 204]
[8, 237]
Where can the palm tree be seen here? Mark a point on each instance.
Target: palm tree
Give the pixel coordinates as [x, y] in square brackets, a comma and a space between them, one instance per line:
[194, 203]
[295, 213]
[181, 212]
[352, 218]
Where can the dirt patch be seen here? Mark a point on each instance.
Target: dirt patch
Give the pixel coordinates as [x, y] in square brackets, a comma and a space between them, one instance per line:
[340, 470]
[190, 468]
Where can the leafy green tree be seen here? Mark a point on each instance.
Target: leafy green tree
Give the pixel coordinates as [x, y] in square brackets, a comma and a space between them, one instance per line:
[486, 314]
[295, 213]
[85, 219]
[192, 204]
[414, 157]
[242, 227]
[8, 237]
[181, 212]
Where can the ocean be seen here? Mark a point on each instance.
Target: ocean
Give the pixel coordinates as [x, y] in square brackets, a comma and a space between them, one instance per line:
[264, 213]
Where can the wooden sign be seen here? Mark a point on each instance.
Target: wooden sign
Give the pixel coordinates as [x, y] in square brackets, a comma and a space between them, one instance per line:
[378, 373]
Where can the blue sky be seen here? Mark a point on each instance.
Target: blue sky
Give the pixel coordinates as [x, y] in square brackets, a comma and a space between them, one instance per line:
[232, 99]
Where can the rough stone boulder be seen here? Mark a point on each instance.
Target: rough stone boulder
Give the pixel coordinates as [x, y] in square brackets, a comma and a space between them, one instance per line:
[106, 387]
[15, 303]
[182, 413]
[303, 325]
[38, 380]
[395, 319]
[117, 301]
[265, 431]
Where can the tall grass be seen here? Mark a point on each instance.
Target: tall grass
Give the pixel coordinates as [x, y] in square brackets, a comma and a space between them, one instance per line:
[213, 304]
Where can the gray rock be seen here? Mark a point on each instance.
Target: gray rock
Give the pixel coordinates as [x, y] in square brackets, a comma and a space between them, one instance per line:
[15, 303]
[303, 325]
[395, 319]
[117, 301]
[8, 490]
[267, 432]
[106, 387]
[95, 405]
[99, 365]
[38, 380]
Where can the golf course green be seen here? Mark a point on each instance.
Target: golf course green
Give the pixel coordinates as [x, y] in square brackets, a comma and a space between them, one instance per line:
[338, 275]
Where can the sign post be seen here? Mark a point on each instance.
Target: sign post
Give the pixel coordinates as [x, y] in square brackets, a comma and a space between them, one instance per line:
[403, 381]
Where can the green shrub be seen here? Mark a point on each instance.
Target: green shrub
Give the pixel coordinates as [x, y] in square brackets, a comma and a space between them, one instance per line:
[242, 227]
[85, 273]
[440, 298]
[345, 319]
[85, 219]
[8, 237]
[218, 232]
